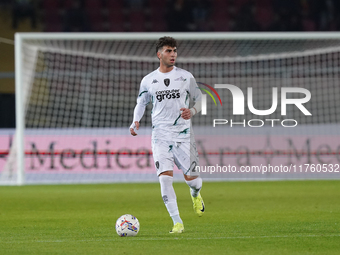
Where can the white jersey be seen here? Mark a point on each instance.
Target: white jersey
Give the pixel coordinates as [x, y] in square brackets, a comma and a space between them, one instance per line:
[169, 92]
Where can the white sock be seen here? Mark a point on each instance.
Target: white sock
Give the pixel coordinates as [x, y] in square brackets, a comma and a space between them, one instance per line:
[195, 186]
[169, 197]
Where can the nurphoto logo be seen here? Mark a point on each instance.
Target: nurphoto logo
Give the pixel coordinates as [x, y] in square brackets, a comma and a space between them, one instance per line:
[238, 105]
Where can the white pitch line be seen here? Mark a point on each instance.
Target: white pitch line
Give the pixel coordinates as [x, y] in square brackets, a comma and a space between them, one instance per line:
[168, 238]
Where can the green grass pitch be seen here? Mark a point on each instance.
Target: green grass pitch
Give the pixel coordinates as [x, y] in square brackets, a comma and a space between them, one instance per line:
[284, 217]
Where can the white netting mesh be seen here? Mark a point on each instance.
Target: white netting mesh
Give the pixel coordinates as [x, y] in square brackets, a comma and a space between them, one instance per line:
[92, 85]
[84, 83]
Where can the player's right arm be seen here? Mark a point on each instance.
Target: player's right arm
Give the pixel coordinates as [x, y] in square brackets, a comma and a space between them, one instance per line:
[142, 101]
[137, 115]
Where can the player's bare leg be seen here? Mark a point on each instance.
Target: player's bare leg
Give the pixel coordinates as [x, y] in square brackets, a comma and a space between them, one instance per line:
[170, 201]
[195, 184]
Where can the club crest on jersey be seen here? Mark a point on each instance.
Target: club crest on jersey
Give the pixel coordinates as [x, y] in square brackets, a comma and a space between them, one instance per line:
[167, 82]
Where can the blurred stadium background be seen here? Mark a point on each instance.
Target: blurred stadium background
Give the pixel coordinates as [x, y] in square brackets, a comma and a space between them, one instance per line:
[286, 217]
[151, 16]
[59, 78]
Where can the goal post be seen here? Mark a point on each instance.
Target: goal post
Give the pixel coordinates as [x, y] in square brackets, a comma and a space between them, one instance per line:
[75, 94]
[18, 152]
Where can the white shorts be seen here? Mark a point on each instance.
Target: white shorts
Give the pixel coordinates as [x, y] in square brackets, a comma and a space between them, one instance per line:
[183, 154]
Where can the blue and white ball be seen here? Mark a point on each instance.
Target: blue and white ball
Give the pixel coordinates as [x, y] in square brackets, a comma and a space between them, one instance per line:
[127, 225]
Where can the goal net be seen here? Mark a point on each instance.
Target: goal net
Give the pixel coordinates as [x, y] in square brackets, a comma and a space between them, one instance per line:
[271, 107]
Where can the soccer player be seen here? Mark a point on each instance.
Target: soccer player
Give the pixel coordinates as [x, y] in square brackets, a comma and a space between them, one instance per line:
[170, 90]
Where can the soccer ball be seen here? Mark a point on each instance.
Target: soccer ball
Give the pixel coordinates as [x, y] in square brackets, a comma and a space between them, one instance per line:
[127, 225]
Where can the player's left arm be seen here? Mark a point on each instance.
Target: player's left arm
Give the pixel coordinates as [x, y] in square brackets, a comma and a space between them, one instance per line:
[196, 96]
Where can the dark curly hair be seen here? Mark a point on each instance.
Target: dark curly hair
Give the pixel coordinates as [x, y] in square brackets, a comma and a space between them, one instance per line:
[165, 41]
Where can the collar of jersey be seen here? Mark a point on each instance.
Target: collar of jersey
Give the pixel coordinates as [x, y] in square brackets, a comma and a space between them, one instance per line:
[167, 72]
